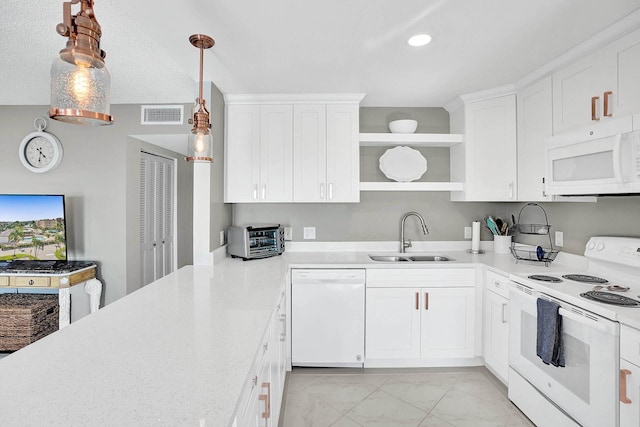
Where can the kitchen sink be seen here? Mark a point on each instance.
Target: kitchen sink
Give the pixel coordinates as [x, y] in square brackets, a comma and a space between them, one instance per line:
[410, 258]
[385, 258]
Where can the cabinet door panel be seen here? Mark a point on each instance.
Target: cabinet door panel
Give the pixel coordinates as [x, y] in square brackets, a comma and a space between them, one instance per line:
[624, 57]
[242, 153]
[496, 334]
[573, 88]
[343, 153]
[393, 323]
[491, 163]
[535, 124]
[276, 153]
[310, 153]
[447, 322]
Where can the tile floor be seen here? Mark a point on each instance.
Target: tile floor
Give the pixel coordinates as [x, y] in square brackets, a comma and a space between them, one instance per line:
[434, 397]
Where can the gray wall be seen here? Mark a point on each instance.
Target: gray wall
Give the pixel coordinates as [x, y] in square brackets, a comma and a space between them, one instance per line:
[377, 215]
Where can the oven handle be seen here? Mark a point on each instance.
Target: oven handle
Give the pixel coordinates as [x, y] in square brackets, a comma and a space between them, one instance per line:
[617, 169]
[581, 319]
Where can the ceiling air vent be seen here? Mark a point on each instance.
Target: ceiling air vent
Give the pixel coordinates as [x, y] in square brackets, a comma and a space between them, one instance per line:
[162, 114]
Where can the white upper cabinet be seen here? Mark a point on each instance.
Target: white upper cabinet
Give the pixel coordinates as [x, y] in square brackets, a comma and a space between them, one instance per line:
[258, 153]
[486, 161]
[601, 85]
[292, 148]
[343, 153]
[535, 123]
[326, 164]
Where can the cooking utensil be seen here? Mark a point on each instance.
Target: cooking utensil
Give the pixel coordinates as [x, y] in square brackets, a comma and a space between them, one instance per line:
[505, 229]
[499, 225]
[492, 225]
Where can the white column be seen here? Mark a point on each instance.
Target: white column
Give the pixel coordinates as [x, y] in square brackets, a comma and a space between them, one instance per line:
[202, 254]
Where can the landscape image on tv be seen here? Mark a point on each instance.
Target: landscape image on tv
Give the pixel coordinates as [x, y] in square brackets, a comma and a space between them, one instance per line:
[32, 227]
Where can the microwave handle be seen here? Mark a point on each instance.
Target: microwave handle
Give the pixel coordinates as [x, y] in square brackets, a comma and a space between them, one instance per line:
[617, 164]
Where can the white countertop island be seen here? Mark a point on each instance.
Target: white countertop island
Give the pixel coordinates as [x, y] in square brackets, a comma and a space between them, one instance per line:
[176, 352]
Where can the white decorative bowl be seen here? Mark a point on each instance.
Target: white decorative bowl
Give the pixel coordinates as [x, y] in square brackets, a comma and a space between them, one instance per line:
[403, 126]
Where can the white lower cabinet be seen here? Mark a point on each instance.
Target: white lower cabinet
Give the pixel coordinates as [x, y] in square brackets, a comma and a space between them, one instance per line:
[496, 326]
[260, 402]
[629, 377]
[407, 325]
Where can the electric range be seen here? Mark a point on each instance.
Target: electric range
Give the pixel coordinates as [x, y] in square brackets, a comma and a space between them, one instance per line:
[609, 285]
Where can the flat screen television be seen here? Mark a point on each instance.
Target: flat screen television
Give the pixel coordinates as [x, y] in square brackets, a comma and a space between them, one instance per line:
[32, 227]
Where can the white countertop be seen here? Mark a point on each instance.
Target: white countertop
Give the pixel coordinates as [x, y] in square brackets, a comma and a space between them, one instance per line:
[176, 352]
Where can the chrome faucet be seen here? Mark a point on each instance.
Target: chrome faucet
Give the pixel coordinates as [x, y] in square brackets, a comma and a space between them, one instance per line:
[407, 243]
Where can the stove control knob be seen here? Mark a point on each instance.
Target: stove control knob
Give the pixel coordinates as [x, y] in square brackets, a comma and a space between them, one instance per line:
[599, 247]
[64, 280]
[591, 246]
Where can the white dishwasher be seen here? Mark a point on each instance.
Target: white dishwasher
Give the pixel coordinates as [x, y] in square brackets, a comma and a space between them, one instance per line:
[327, 317]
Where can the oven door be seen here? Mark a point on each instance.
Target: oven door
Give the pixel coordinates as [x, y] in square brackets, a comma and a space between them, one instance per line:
[587, 387]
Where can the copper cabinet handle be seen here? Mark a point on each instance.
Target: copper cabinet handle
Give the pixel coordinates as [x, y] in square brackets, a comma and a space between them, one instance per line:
[267, 401]
[417, 300]
[426, 300]
[606, 112]
[623, 386]
[594, 113]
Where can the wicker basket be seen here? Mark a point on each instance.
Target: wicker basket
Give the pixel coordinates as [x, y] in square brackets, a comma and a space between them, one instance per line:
[25, 318]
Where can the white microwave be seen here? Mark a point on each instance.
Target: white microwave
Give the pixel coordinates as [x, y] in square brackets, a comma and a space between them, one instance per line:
[603, 159]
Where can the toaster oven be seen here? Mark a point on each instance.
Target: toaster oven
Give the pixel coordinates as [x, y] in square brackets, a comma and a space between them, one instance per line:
[255, 241]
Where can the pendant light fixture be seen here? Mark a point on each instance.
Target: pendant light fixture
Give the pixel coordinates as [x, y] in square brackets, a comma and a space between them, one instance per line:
[80, 81]
[200, 143]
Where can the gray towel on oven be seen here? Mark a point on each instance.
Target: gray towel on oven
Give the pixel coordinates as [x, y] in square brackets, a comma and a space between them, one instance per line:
[549, 345]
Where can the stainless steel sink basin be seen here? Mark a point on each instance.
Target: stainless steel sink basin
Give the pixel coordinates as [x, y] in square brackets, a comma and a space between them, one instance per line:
[430, 258]
[385, 258]
[410, 258]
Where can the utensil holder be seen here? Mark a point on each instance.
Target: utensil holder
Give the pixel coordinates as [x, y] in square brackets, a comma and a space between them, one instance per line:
[502, 244]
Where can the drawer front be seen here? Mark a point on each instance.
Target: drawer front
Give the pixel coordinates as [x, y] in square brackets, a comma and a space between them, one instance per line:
[36, 282]
[497, 283]
[4, 281]
[630, 344]
[411, 277]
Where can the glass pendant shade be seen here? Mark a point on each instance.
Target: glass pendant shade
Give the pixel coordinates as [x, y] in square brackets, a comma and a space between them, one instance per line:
[200, 146]
[80, 93]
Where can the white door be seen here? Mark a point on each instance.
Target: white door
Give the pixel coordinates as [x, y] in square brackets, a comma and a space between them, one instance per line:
[496, 333]
[242, 153]
[629, 404]
[623, 57]
[157, 214]
[310, 153]
[491, 150]
[276, 153]
[573, 88]
[393, 323]
[448, 316]
[343, 153]
[535, 123]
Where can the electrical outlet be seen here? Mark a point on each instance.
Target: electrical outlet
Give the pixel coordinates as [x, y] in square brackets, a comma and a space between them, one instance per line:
[221, 237]
[559, 238]
[467, 232]
[309, 233]
[288, 233]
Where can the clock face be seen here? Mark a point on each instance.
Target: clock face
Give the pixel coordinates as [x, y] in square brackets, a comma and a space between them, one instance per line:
[40, 152]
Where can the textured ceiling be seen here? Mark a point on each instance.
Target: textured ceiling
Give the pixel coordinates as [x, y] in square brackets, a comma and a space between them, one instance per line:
[294, 46]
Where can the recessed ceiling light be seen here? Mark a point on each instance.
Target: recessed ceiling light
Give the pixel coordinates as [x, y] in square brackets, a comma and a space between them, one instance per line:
[419, 40]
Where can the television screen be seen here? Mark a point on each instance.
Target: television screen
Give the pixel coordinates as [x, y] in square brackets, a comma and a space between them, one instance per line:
[32, 227]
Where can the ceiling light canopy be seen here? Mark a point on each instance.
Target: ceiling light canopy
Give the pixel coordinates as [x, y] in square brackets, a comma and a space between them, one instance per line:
[419, 40]
[80, 81]
[200, 143]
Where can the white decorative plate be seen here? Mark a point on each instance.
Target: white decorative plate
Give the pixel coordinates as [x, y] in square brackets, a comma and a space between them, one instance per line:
[403, 164]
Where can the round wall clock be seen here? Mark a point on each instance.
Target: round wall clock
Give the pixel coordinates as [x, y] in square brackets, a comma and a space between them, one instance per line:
[40, 151]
